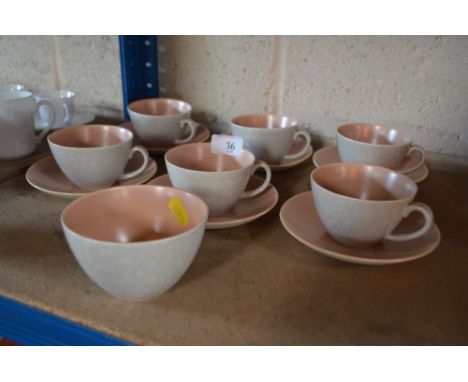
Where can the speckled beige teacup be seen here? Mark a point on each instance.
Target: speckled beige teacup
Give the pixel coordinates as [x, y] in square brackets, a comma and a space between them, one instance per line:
[220, 180]
[95, 156]
[269, 137]
[377, 145]
[162, 122]
[360, 204]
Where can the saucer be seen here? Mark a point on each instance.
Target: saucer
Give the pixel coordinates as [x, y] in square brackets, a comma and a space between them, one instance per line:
[329, 154]
[288, 163]
[202, 135]
[78, 119]
[300, 218]
[244, 211]
[46, 176]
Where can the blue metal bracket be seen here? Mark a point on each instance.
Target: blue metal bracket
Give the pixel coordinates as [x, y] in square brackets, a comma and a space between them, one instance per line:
[29, 326]
[139, 65]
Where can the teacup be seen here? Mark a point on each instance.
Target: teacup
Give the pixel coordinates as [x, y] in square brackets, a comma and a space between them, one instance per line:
[129, 242]
[376, 145]
[162, 122]
[95, 156]
[360, 204]
[11, 88]
[63, 105]
[269, 137]
[18, 137]
[220, 180]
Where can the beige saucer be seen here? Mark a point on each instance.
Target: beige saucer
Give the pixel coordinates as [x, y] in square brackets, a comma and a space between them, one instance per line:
[329, 154]
[202, 135]
[46, 176]
[288, 163]
[244, 211]
[299, 217]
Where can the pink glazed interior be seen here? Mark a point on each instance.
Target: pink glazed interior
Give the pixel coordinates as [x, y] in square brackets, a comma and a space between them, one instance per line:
[159, 106]
[198, 157]
[375, 134]
[265, 121]
[132, 214]
[88, 136]
[364, 182]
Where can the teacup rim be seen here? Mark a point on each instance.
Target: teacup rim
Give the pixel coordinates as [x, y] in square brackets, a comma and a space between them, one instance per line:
[60, 131]
[157, 98]
[251, 155]
[407, 137]
[399, 200]
[20, 94]
[12, 87]
[294, 121]
[137, 243]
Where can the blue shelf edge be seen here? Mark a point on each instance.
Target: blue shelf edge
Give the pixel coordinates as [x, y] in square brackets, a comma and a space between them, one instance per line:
[30, 326]
[139, 68]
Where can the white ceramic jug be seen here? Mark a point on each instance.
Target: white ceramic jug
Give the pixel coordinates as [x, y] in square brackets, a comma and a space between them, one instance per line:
[17, 135]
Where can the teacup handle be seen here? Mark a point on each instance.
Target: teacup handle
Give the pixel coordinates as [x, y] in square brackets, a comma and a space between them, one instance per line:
[68, 116]
[428, 219]
[49, 123]
[422, 157]
[193, 130]
[306, 136]
[140, 169]
[260, 189]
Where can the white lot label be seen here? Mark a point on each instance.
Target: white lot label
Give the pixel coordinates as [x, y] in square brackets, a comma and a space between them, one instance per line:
[226, 144]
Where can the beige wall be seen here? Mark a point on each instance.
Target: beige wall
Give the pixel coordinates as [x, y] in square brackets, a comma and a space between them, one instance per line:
[419, 84]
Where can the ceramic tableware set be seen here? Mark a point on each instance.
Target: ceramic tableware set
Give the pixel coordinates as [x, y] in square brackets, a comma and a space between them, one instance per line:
[136, 241]
[125, 238]
[227, 183]
[377, 145]
[360, 208]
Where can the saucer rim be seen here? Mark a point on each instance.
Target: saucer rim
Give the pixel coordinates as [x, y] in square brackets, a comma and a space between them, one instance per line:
[350, 258]
[415, 179]
[163, 150]
[74, 195]
[294, 162]
[236, 222]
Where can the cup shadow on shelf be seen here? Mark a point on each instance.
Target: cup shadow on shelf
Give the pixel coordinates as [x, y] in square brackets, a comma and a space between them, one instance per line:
[25, 241]
[207, 260]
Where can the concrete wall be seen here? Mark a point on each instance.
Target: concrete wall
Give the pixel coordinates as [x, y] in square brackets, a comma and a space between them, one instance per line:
[418, 84]
[89, 65]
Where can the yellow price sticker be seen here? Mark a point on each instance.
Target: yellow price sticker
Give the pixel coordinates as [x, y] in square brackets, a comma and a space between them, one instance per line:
[178, 210]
